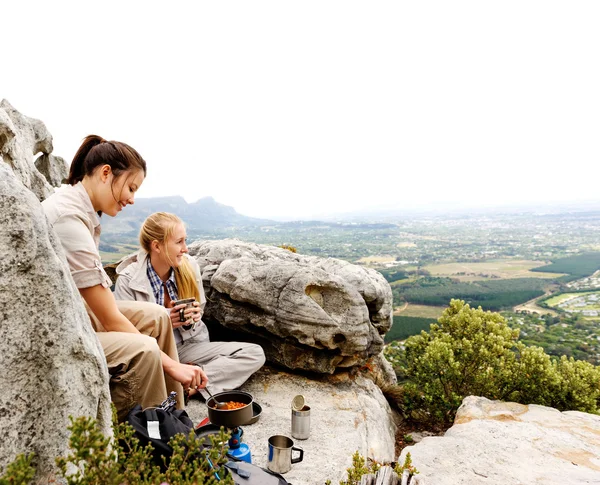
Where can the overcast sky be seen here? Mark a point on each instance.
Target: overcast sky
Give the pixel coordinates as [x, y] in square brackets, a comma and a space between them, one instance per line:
[300, 109]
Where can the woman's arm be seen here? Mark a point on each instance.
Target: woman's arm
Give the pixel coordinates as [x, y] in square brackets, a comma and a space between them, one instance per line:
[102, 303]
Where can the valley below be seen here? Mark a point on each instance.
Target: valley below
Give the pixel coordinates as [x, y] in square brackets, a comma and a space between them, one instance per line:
[540, 270]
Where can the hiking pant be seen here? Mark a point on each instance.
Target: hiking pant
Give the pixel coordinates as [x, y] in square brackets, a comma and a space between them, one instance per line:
[226, 364]
[134, 360]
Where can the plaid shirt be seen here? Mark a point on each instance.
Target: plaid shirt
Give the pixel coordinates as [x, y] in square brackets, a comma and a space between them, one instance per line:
[158, 288]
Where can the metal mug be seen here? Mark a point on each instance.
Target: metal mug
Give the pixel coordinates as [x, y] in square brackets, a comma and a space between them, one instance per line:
[280, 454]
[301, 423]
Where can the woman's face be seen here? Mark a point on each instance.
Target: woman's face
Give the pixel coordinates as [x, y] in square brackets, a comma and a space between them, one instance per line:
[173, 250]
[117, 192]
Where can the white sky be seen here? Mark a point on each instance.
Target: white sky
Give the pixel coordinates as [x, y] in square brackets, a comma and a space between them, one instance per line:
[306, 108]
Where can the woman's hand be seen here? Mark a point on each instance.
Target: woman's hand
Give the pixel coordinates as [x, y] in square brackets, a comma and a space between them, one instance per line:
[195, 312]
[190, 376]
[191, 314]
[175, 315]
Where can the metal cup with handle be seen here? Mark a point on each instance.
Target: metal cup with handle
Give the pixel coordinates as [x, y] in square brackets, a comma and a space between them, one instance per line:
[280, 454]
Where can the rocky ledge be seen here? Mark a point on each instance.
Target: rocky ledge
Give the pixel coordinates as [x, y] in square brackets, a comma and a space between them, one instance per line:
[309, 313]
[494, 442]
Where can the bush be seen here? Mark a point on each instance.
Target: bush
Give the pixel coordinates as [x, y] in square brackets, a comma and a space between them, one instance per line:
[99, 460]
[472, 352]
[19, 472]
[96, 459]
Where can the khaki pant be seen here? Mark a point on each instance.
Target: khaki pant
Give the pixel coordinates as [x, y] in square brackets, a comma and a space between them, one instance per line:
[134, 360]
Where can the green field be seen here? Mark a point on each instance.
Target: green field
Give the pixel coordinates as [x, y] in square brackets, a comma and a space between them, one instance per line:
[569, 301]
[576, 267]
[490, 295]
[556, 299]
[404, 327]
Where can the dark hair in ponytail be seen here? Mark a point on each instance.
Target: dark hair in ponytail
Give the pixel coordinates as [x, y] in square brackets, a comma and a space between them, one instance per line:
[95, 151]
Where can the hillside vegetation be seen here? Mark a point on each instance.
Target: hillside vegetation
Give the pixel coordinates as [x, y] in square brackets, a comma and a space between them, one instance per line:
[474, 352]
[491, 295]
[576, 267]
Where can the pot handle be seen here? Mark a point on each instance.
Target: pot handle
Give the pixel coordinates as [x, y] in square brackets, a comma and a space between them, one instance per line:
[299, 459]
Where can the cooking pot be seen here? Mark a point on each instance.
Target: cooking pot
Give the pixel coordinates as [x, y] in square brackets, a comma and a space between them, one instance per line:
[231, 418]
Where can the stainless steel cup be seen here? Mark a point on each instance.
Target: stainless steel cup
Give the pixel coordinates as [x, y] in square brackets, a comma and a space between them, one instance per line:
[301, 423]
[280, 454]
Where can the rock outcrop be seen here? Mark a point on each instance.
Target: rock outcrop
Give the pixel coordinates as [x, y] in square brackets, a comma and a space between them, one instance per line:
[52, 364]
[495, 442]
[347, 414]
[308, 313]
[21, 139]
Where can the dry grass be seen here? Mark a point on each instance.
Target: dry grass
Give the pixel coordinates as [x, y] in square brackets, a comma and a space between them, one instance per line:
[377, 259]
[423, 311]
[500, 269]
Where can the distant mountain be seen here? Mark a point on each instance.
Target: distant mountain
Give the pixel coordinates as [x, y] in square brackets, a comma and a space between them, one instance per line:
[203, 216]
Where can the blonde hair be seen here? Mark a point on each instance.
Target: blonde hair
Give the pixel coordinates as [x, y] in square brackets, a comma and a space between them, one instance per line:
[159, 227]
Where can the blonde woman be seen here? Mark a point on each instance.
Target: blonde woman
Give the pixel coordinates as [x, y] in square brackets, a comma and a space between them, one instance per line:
[136, 337]
[161, 272]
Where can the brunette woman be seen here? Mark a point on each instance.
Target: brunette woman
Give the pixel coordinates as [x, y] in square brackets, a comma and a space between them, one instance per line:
[162, 273]
[137, 339]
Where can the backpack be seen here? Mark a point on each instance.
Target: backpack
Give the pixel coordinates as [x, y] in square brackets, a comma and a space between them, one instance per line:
[157, 426]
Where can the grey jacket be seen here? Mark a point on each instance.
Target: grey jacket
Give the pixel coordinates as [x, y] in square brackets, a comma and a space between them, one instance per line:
[133, 284]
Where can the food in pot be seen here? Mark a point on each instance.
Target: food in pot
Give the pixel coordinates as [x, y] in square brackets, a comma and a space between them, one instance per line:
[230, 405]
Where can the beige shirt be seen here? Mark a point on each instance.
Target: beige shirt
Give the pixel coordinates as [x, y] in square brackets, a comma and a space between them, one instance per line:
[69, 211]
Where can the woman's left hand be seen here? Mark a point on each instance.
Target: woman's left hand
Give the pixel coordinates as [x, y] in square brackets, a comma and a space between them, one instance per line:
[194, 312]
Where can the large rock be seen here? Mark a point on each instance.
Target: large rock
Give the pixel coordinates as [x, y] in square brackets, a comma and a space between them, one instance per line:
[348, 414]
[21, 138]
[52, 364]
[495, 442]
[307, 312]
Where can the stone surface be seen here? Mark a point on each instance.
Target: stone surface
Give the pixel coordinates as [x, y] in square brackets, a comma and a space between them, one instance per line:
[52, 363]
[495, 442]
[307, 312]
[347, 414]
[21, 138]
[54, 169]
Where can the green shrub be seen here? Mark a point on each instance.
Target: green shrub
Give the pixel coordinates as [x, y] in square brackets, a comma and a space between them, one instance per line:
[361, 466]
[19, 472]
[473, 352]
[98, 460]
[289, 248]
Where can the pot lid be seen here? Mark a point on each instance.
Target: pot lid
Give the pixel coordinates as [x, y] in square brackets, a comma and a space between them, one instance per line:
[298, 402]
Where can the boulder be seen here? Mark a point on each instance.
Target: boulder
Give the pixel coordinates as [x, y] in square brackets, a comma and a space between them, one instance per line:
[52, 364]
[21, 138]
[348, 414]
[53, 168]
[494, 442]
[307, 312]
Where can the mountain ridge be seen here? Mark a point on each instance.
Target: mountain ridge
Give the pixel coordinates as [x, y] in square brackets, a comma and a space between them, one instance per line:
[204, 215]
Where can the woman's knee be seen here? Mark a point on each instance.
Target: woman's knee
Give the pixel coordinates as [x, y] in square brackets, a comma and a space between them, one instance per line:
[257, 353]
[147, 348]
